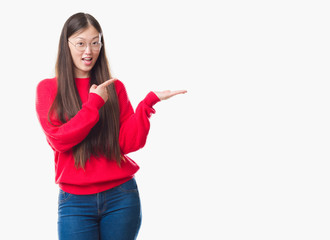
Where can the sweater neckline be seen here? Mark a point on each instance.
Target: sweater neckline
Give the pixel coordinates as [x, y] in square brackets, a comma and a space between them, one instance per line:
[87, 78]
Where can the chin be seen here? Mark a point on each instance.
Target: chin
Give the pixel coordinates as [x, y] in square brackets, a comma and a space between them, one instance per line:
[86, 69]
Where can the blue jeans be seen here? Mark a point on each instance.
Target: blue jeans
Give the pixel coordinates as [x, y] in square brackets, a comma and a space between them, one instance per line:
[113, 214]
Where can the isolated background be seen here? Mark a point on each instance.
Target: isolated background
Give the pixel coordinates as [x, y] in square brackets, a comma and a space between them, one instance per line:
[243, 155]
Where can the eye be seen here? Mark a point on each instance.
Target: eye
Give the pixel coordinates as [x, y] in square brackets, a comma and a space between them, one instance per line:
[95, 43]
[80, 44]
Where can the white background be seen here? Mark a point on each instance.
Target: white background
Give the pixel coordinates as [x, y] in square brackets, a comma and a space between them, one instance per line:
[243, 155]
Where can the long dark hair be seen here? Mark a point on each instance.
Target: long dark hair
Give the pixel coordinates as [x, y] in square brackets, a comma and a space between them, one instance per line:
[103, 138]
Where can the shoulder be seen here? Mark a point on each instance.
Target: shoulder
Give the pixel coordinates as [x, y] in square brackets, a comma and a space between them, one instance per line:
[121, 92]
[45, 93]
[49, 84]
[120, 87]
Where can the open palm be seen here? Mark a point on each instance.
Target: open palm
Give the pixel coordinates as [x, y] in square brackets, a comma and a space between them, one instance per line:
[168, 94]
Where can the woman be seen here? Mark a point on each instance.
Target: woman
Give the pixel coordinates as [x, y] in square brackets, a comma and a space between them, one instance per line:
[90, 124]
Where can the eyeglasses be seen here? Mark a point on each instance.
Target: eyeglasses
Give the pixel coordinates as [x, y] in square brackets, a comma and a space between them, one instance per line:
[82, 45]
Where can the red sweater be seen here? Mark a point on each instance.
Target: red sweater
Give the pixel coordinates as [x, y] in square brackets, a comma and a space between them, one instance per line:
[100, 174]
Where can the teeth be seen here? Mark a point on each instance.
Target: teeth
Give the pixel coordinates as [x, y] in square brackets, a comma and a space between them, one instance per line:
[88, 59]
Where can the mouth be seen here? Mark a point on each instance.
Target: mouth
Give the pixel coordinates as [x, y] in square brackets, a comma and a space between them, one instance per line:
[87, 60]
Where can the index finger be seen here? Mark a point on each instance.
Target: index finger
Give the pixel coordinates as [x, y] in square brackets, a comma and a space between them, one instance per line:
[108, 82]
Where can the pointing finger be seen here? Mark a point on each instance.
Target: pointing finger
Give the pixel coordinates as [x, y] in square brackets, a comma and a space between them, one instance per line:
[108, 82]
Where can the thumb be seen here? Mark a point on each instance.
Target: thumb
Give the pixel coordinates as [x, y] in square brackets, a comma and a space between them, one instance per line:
[93, 87]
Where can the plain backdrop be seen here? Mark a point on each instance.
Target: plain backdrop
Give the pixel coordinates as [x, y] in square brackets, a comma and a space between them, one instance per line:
[243, 155]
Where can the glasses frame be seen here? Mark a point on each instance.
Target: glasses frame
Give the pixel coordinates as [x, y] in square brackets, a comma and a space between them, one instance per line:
[100, 42]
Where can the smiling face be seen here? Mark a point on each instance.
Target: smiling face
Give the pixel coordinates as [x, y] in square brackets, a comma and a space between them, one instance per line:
[83, 58]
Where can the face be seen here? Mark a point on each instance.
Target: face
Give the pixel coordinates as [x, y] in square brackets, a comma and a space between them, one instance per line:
[84, 58]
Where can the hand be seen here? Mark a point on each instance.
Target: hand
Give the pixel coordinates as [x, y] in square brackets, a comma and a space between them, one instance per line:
[101, 89]
[168, 94]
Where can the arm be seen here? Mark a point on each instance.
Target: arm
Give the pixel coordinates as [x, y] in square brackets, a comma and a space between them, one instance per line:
[134, 126]
[63, 137]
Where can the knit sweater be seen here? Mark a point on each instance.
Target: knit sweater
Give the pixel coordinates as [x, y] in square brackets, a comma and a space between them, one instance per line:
[99, 174]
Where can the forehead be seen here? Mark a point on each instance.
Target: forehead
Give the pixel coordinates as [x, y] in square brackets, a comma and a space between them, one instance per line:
[87, 33]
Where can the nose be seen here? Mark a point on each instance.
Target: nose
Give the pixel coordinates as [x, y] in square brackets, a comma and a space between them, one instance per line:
[88, 49]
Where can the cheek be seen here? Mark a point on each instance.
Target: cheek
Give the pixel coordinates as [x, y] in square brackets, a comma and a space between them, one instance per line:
[95, 57]
[76, 58]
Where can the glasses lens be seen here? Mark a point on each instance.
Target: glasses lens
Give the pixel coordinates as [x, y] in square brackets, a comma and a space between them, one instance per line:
[94, 46]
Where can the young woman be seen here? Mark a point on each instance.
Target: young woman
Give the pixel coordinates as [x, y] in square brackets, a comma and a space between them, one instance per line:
[90, 124]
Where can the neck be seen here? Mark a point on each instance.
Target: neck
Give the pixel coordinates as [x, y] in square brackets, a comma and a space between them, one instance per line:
[81, 74]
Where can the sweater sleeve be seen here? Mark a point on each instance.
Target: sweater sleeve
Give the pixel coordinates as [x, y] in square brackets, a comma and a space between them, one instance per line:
[65, 136]
[134, 126]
